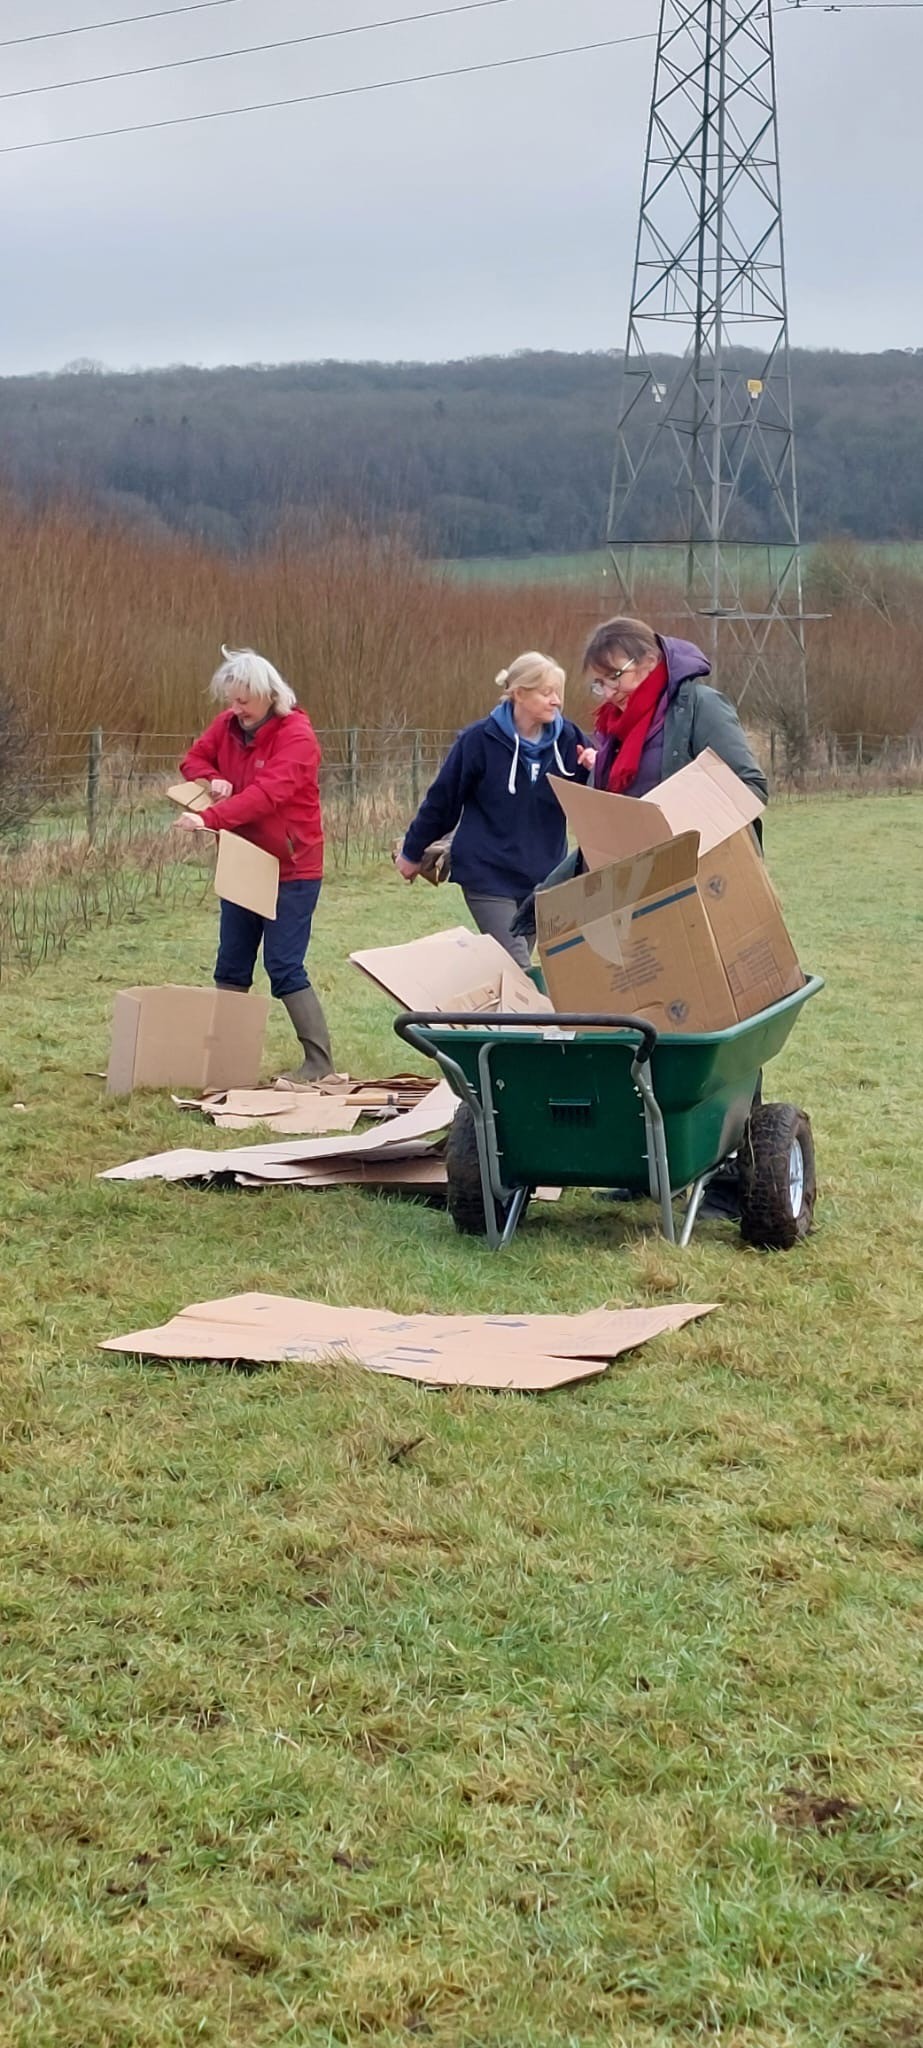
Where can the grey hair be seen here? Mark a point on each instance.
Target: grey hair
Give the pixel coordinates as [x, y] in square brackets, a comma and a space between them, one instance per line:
[243, 669]
[529, 672]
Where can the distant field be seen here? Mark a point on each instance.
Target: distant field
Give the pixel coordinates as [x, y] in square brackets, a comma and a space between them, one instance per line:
[593, 565]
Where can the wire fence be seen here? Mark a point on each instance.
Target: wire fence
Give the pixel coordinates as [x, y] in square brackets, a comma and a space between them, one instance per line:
[89, 773]
[372, 779]
[92, 843]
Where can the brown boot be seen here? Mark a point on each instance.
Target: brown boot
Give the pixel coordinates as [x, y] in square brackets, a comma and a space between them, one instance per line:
[310, 1024]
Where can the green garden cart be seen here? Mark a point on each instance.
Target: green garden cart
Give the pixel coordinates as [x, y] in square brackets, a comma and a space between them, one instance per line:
[603, 1102]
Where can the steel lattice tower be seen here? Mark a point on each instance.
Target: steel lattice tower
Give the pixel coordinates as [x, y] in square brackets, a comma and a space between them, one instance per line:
[712, 438]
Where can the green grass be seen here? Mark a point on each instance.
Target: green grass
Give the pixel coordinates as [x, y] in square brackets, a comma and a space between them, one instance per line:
[595, 563]
[587, 1720]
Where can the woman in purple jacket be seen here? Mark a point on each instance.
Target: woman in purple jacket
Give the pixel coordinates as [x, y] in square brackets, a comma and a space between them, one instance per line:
[657, 712]
[492, 792]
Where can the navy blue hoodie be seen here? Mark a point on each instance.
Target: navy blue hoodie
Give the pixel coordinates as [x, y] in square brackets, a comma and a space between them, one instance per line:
[507, 841]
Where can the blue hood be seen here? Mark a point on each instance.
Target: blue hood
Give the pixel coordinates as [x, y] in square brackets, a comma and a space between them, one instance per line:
[533, 752]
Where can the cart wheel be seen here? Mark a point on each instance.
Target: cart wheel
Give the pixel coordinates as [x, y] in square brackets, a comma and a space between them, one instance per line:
[465, 1200]
[778, 1185]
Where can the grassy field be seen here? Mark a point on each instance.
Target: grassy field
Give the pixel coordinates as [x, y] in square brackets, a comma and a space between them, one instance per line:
[591, 566]
[590, 1721]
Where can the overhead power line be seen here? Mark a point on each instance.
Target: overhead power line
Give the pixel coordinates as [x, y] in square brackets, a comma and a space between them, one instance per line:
[343, 92]
[89, 28]
[326, 35]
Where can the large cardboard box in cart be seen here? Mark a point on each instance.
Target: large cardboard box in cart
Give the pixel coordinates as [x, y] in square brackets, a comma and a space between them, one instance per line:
[634, 938]
[174, 1037]
[741, 905]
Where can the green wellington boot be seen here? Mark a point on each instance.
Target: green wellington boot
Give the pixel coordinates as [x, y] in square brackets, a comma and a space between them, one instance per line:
[310, 1024]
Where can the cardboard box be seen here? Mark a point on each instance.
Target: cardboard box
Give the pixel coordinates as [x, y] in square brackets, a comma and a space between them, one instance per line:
[742, 906]
[452, 970]
[174, 1037]
[634, 938]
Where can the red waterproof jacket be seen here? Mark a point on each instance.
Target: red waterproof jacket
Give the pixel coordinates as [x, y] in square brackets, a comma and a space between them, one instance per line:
[273, 774]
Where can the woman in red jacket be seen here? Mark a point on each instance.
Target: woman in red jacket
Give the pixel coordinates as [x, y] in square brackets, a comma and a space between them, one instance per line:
[260, 758]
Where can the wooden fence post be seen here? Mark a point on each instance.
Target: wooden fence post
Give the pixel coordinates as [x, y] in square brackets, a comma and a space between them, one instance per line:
[416, 771]
[352, 762]
[94, 764]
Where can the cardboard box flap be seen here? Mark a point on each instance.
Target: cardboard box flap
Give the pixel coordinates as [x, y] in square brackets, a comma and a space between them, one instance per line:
[607, 827]
[247, 875]
[706, 797]
[480, 1002]
[191, 796]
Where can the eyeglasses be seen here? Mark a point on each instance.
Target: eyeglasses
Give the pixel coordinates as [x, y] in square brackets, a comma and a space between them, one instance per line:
[610, 677]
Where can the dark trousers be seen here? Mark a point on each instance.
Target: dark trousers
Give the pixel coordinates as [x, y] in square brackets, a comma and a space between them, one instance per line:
[494, 915]
[284, 940]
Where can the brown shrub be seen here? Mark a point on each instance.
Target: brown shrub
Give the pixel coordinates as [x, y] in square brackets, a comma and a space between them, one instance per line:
[106, 626]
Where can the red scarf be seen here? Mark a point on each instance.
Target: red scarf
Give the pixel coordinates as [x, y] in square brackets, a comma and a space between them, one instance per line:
[630, 727]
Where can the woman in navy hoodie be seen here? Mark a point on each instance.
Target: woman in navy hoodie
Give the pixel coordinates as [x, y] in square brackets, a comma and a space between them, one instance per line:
[493, 787]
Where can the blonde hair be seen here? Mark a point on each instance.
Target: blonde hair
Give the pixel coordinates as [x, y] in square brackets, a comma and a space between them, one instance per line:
[530, 672]
[242, 669]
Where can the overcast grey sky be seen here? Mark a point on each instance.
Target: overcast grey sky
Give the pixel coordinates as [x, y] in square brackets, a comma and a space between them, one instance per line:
[465, 216]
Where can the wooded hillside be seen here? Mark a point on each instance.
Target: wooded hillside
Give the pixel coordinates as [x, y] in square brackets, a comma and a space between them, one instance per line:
[497, 455]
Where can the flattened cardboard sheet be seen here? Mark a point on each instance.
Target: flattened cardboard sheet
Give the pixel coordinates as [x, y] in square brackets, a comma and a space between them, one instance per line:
[451, 970]
[318, 1173]
[527, 1353]
[391, 1091]
[291, 1112]
[246, 875]
[425, 1170]
[423, 1173]
[405, 1133]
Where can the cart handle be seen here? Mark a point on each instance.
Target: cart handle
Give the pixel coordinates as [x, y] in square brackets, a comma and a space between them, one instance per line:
[540, 1021]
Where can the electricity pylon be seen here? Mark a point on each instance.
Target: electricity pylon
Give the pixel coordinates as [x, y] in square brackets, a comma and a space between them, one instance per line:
[705, 451]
